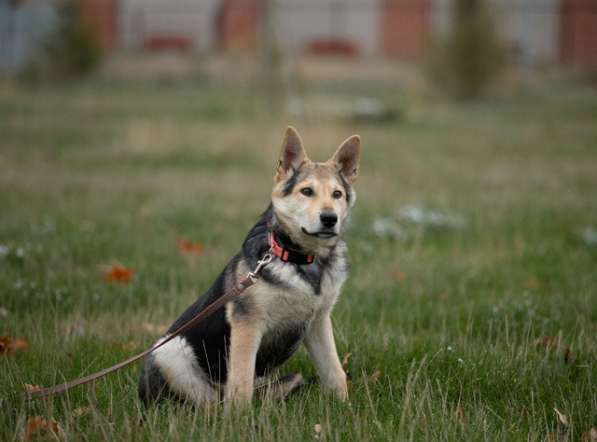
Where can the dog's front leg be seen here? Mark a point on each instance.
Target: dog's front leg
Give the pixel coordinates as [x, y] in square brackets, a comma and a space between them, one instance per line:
[320, 344]
[245, 338]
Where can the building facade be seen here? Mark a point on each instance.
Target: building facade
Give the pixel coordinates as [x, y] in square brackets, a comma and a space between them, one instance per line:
[536, 31]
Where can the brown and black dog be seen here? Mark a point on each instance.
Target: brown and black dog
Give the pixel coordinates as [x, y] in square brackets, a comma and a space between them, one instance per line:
[290, 303]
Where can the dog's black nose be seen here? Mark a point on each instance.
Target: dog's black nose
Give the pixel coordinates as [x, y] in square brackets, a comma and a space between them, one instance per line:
[328, 219]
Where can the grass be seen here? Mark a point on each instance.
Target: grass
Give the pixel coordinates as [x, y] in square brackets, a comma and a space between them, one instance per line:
[442, 324]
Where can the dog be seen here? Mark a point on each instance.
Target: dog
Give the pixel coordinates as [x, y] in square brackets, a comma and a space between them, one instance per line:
[291, 302]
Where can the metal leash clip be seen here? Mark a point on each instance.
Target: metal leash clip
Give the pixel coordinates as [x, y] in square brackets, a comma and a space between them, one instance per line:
[267, 258]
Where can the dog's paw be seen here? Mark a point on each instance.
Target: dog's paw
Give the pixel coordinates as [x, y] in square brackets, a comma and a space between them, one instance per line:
[342, 392]
[337, 385]
[238, 398]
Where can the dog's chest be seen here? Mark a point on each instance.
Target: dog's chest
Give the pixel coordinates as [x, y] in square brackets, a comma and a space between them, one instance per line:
[296, 293]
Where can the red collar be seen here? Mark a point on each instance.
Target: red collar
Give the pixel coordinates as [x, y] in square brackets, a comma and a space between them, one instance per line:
[287, 255]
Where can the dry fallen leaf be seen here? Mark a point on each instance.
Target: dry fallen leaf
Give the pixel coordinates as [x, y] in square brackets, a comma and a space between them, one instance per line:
[31, 388]
[547, 341]
[4, 344]
[561, 417]
[459, 414]
[589, 436]
[189, 248]
[532, 283]
[317, 431]
[375, 375]
[345, 360]
[399, 276]
[118, 273]
[10, 345]
[40, 426]
[19, 344]
[554, 342]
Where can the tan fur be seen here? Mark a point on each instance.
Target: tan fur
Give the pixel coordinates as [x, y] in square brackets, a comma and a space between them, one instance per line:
[245, 337]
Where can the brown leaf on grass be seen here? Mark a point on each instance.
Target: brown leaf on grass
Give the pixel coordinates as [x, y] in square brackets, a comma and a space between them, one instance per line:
[548, 341]
[459, 415]
[375, 375]
[524, 412]
[38, 426]
[31, 388]
[554, 342]
[186, 247]
[118, 273]
[590, 435]
[399, 276]
[532, 283]
[345, 360]
[9, 345]
[19, 344]
[561, 417]
[4, 344]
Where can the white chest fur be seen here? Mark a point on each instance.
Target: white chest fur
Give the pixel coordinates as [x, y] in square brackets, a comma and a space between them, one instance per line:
[300, 293]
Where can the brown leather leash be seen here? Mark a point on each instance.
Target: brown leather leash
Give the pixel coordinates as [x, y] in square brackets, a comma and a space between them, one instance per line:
[243, 285]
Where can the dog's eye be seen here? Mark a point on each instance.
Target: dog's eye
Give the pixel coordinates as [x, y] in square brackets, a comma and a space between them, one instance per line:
[307, 191]
[337, 194]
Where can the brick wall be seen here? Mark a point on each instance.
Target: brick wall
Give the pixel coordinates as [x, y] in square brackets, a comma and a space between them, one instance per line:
[404, 27]
[238, 24]
[578, 32]
[101, 17]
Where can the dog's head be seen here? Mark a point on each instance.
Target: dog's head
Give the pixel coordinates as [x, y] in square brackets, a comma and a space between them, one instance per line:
[311, 200]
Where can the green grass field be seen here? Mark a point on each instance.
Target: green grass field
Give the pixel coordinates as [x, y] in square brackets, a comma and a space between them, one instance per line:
[446, 325]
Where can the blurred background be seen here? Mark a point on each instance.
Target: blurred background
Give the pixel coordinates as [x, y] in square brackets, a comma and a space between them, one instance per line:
[147, 118]
[535, 32]
[489, 34]
[212, 83]
[138, 141]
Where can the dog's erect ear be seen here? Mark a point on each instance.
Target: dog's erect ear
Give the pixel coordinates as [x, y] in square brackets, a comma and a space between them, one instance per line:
[347, 158]
[292, 155]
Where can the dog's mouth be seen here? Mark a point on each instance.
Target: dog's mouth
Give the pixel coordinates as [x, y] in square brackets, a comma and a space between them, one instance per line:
[320, 234]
